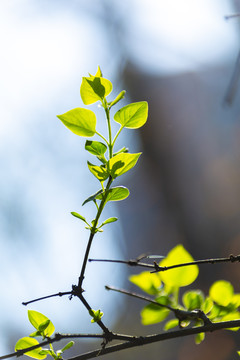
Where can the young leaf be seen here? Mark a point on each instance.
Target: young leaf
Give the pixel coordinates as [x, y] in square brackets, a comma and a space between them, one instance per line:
[79, 216]
[193, 299]
[116, 193]
[121, 163]
[80, 121]
[231, 316]
[207, 305]
[44, 325]
[199, 338]
[27, 342]
[92, 197]
[152, 314]
[98, 73]
[221, 292]
[68, 346]
[171, 324]
[94, 88]
[122, 150]
[109, 220]
[95, 147]
[148, 282]
[181, 276]
[37, 320]
[100, 172]
[117, 99]
[132, 116]
[96, 315]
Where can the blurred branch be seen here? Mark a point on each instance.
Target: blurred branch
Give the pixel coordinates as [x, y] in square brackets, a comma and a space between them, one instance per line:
[233, 85]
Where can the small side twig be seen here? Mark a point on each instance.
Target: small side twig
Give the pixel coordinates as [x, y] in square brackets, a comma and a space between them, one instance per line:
[47, 297]
[181, 315]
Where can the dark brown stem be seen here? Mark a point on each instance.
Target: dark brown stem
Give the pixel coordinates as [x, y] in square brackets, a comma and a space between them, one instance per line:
[159, 337]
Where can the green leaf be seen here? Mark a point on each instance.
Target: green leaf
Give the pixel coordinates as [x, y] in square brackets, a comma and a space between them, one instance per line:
[100, 172]
[116, 193]
[238, 353]
[95, 147]
[79, 216]
[199, 338]
[44, 325]
[27, 342]
[181, 276]
[231, 316]
[207, 305]
[46, 352]
[221, 292]
[68, 346]
[148, 282]
[36, 333]
[98, 73]
[117, 99]
[132, 116]
[153, 314]
[109, 220]
[37, 319]
[92, 197]
[193, 299]
[80, 121]
[94, 88]
[122, 150]
[171, 324]
[121, 163]
[96, 315]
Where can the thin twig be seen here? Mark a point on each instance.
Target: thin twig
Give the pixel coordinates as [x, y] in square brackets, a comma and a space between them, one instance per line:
[181, 315]
[158, 268]
[47, 297]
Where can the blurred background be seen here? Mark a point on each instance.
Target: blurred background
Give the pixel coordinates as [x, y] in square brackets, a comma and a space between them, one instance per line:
[180, 57]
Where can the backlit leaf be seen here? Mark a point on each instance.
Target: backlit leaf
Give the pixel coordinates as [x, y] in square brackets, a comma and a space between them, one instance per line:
[109, 220]
[231, 316]
[37, 320]
[193, 299]
[100, 172]
[92, 197]
[80, 121]
[148, 282]
[94, 88]
[27, 342]
[119, 97]
[116, 193]
[221, 292]
[132, 116]
[121, 163]
[207, 305]
[75, 214]
[152, 314]
[171, 324]
[68, 346]
[199, 338]
[95, 147]
[181, 276]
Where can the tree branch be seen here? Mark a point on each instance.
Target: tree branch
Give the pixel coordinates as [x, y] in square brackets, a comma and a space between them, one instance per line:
[157, 268]
[159, 337]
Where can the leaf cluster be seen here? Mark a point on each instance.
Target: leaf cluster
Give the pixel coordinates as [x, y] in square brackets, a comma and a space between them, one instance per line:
[221, 304]
[44, 328]
[83, 122]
